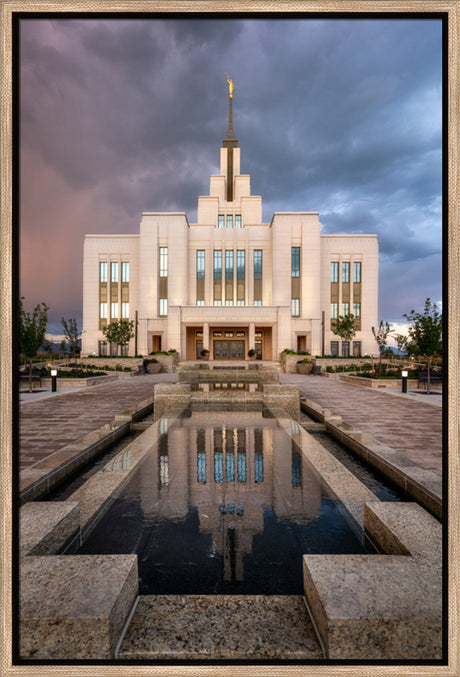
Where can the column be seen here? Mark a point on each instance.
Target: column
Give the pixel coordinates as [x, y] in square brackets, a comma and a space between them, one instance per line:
[206, 335]
[252, 336]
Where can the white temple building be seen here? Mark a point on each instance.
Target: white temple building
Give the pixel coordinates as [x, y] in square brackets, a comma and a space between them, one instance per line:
[230, 282]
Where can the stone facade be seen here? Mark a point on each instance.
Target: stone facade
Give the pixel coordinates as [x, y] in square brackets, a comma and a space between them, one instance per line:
[230, 282]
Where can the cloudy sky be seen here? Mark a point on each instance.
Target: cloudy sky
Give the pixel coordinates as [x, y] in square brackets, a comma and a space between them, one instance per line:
[121, 116]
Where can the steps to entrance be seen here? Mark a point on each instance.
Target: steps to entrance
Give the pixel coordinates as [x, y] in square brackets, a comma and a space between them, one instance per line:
[220, 627]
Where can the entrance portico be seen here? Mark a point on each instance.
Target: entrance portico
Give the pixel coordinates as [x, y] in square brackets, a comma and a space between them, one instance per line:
[229, 342]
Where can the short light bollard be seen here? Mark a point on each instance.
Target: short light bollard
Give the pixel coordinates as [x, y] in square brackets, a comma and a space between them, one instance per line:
[404, 382]
[53, 380]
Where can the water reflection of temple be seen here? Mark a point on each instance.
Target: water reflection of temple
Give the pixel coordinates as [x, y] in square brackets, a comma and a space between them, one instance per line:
[230, 472]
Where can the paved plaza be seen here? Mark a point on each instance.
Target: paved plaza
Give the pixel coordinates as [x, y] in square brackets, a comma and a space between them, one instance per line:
[49, 423]
[411, 424]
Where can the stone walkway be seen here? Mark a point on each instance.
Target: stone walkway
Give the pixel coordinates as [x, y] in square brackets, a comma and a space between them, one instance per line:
[409, 425]
[50, 423]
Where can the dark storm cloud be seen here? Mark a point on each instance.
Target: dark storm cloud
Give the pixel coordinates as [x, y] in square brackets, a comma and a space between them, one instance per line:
[340, 117]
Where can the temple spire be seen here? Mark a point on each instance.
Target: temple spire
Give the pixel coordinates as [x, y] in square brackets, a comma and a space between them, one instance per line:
[230, 142]
[230, 132]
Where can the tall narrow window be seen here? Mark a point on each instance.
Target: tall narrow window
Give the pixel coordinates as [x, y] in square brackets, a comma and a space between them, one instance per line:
[229, 264]
[200, 264]
[103, 271]
[295, 258]
[334, 271]
[163, 307]
[240, 262]
[114, 271]
[201, 455]
[258, 455]
[103, 294]
[221, 221]
[125, 311]
[296, 466]
[334, 311]
[229, 277]
[257, 264]
[258, 277]
[345, 271]
[357, 310]
[163, 262]
[217, 264]
[295, 281]
[229, 221]
[125, 271]
[345, 309]
[114, 311]
[163, 282]
[218, 456]
[357, 271]
[217, 277]
[237, 220]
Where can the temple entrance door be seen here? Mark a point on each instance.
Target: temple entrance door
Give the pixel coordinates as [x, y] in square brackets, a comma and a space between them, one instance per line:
[228, 350]
[156, 343]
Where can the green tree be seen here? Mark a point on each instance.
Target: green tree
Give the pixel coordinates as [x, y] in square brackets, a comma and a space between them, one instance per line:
[119, 331]
[402, 343]
[344, 327]
[32, 329]
[426, 332]
[72, 335]
[47, 347]
[381, 336]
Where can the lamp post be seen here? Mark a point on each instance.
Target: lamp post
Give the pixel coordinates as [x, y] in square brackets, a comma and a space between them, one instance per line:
[404, 381]
[53, 380]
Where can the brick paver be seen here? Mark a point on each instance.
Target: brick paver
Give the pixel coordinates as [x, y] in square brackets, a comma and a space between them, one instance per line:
[47, 425]
[409, 426]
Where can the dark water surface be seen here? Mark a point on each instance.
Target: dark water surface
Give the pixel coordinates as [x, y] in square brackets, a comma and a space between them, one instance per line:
[224, 504]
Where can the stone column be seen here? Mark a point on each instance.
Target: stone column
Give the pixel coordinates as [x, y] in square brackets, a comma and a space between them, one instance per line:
[252, 336]
[206, 335]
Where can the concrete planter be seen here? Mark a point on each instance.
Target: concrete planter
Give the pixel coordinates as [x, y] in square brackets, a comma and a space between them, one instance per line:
[376, 382]
[153, 367]
[63, 382]
[303, 368]
[289, 363]
[168, 362]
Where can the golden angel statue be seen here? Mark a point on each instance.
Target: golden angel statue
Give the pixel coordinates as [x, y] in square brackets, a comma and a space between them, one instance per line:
[230, 86]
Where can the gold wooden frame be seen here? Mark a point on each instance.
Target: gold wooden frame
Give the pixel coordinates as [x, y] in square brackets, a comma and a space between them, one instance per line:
[451, 8]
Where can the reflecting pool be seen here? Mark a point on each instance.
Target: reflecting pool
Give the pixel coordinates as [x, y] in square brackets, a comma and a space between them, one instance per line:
[224, 503]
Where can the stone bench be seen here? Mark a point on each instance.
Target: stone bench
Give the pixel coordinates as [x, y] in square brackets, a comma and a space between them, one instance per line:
[435, 377]
[386, 606]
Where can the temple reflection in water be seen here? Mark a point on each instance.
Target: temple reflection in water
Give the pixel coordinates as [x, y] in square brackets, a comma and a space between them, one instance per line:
[231, 472]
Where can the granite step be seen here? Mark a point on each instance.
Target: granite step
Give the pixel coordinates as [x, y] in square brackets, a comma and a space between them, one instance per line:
[220, 627]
